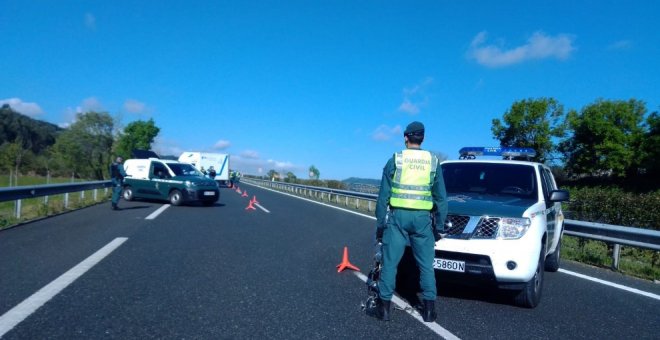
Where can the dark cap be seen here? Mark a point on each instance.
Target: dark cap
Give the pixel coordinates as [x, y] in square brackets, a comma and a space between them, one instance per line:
[414, 128]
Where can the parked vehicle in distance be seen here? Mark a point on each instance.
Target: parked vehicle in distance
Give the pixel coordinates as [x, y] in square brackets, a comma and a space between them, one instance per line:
[504, 224]
[168, 180]
[205, 160]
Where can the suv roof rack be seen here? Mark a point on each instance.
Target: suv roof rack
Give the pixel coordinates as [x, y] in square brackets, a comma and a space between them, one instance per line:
[471, 152]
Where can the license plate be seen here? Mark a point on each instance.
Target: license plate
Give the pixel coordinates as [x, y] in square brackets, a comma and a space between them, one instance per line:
[449, 265]
[209, 193]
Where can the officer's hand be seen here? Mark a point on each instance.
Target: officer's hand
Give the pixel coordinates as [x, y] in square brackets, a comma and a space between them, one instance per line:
[436, 235]
[379, 234]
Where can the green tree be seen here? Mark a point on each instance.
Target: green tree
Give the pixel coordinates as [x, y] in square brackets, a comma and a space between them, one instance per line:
[290, 177]
[650, 146]
[531, 123]
[14, 157]
[84, 148]
[272, 174]
[136, 135]
[314, 173]
[605, 138]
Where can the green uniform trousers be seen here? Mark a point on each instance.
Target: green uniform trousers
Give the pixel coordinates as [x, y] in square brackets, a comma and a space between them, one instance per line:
[116, 191]
[402, 226]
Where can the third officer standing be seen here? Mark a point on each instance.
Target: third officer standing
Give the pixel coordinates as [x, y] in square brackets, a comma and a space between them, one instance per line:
[413, 188]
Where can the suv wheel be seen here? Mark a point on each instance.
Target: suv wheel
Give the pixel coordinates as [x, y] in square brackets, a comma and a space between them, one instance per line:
[175, 197]
[530, 296]
[128, 193]
[552, 262]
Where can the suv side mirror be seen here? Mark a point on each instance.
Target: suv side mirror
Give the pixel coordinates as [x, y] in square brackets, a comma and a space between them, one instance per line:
[559, 196]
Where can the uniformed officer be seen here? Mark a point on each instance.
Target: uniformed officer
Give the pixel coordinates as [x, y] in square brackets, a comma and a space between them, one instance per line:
[117, 174]
[413, 188]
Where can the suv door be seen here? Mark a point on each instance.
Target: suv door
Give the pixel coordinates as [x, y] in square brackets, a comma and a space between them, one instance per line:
[551, 208]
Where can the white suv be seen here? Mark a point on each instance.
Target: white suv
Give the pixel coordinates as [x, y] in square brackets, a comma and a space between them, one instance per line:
[504, 224]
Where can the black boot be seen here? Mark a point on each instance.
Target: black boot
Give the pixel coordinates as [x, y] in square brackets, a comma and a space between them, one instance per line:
[429, 314]
[114, 206]
[381, 311]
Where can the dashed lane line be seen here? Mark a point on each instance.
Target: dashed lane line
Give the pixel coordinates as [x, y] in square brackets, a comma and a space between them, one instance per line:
[155, 214]
[24, 309]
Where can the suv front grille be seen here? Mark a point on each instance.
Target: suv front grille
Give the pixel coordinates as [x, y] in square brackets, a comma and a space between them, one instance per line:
[486, 227]
[455, 224]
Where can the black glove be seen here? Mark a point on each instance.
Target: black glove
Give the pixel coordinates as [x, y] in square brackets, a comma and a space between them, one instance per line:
[436, 235]
[379, 234]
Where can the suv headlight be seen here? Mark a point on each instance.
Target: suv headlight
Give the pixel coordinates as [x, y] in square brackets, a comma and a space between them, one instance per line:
[190, 184]
[513, 228]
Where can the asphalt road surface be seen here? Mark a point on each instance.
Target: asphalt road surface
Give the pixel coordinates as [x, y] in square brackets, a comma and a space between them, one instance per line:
[152, 270]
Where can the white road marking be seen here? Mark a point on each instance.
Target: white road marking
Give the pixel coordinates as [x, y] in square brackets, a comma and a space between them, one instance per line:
[24, 309]
[582, 276]
[317, 202]
[262, 208]
[611, 284]
[406, 307]
[157, 212]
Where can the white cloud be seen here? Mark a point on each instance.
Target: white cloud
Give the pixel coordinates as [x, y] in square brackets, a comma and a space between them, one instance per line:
[415, 97]
[408, 107]
[90, 104]
[385, 133]
[164, 147]
[620, 45]
[221, 145]
[18, 105]
[538, 46]
[90, 21]
[250, 154]
[134, 106]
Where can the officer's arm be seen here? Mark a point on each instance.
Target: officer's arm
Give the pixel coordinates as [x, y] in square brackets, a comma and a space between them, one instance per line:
[122, 172]
[384, 193]
[440, 198]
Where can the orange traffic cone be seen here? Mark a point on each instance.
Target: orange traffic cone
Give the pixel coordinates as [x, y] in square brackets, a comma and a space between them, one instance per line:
[244, 193]
[254, 200]
[345, 264]
[250, 206]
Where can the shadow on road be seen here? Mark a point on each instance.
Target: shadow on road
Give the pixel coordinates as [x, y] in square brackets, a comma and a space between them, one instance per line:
[407, 286]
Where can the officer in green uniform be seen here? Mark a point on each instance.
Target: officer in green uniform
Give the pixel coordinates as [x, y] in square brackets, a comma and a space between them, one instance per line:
[117, 173]
[413, 188]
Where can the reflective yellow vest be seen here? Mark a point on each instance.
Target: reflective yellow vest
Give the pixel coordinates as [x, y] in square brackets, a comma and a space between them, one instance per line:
[413, 178]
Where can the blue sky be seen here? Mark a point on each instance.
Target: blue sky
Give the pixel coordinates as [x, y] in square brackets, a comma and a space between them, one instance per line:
[287, 84]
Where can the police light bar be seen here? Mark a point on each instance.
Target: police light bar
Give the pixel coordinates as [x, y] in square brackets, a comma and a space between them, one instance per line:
[472, 152]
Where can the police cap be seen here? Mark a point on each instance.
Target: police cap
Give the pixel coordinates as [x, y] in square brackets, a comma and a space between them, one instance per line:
[414, 128]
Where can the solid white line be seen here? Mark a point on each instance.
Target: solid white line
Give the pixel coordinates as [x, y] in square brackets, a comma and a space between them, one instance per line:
[262, 208]
[157, 212]
[607, 283]
[611, 284]
[24, 309]
[317, 202]
[406, 307]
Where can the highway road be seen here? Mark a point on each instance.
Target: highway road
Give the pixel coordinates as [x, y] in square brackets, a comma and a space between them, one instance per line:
[152, 270]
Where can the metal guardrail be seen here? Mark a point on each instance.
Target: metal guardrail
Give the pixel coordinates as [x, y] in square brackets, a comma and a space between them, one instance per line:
[33, 191]
[617, 235]
[614, 234]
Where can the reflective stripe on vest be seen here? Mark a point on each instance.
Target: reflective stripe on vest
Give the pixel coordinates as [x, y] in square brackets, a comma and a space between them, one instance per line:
[411, 185]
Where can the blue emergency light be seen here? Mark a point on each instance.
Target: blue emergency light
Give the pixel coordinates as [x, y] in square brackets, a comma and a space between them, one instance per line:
[471, 152]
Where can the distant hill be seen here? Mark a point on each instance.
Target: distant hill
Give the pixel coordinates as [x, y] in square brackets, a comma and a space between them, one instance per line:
[367, 185]
[35, 134]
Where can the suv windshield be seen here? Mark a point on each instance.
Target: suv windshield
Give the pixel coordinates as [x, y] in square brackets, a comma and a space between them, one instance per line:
[490, 178]
[182, 169]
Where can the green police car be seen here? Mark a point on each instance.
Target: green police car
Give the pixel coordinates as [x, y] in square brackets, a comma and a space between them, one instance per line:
[504, 222]
[168, 180]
